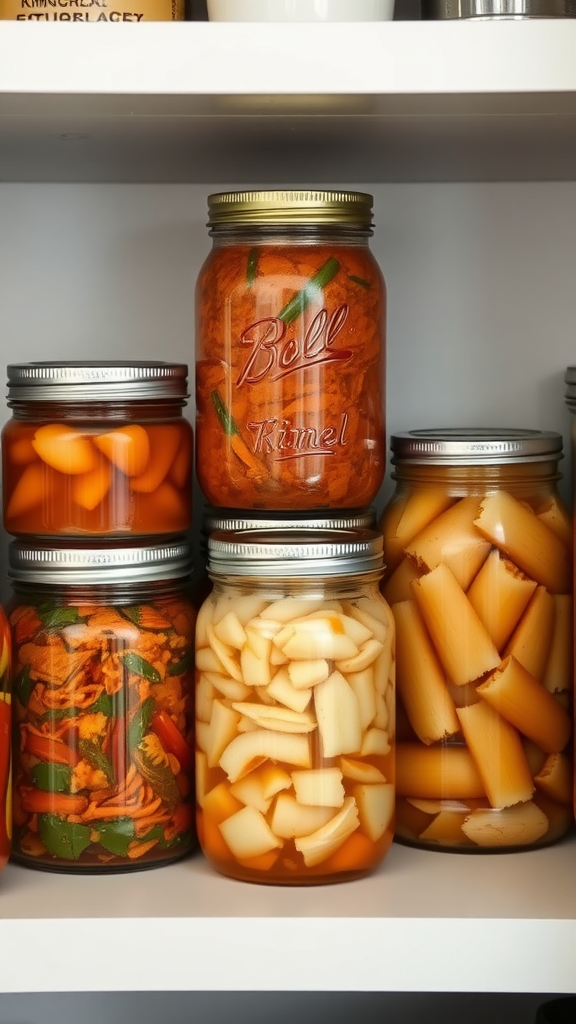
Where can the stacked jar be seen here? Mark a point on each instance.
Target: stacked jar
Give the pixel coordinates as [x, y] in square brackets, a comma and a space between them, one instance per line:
[97, 469]
[294, 644]
[478, 549]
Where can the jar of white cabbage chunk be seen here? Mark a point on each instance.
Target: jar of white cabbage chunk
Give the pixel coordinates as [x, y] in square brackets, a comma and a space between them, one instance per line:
[295, 707]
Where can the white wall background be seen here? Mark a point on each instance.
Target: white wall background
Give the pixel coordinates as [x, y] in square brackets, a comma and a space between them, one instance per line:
[482, 308]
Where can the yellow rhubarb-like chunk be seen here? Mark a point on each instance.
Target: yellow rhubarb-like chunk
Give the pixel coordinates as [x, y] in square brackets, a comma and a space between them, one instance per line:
[338, 715]
[291, 819]
[272, 717]
[375, 807]
[319, 787]
[250, 749]
[318, 846]
[248, 834]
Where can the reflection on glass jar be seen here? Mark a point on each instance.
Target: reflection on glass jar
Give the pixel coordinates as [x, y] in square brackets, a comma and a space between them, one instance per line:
[103, 661]
[478, 546]
[295, 707]
[290, 343]
[97, 448]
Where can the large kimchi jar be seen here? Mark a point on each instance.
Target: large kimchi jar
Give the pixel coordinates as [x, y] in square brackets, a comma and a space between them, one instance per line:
[102, 704]
[5, 741]
[97, 448]
[290, 347]
[478, 546]
[295, 707]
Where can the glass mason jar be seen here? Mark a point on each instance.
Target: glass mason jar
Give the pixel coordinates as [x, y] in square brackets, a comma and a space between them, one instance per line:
[103, 644]
[290, 351]
[97, 448]
[295, 707]
[5, 741]
[479, 578]
[570, 379]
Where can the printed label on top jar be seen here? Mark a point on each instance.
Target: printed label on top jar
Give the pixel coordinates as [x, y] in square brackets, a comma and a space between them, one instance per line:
[290, 377]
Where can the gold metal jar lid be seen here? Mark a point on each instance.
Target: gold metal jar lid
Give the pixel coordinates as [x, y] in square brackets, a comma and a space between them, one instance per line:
[290, 206]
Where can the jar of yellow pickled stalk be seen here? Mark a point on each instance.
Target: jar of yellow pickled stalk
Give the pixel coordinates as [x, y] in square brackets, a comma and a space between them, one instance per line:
[478, 551]
[102, 641]
[295, 707]
[97, 448]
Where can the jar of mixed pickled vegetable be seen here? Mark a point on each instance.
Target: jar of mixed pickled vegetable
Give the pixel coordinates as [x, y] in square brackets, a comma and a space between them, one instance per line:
[5, 741]
[103, 667]
[290, 349]
[295, 707]
[478, 549]
[97, 448]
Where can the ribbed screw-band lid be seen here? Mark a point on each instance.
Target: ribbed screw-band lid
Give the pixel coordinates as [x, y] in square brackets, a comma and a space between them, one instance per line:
[95, 380]
[475, 446]
[290, 206]
[98, 563]
[247, 519]
[299, 553]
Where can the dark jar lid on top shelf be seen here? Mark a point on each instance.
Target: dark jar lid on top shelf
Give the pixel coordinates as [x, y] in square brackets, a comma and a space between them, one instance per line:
[102, 643]
[97, 448]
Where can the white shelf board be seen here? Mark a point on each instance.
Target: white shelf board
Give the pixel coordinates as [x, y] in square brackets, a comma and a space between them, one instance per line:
[398, 101]
[425, 922]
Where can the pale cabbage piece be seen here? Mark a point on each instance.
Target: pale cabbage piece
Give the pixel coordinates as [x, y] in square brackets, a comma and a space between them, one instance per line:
[221, 605]
[290, 819]
[205, 694]
[367, 654]
[315, 639]
[356, 630]
[259, 645]
[221, 731]
[249, 750]
[229, 688]
[277, 657]
[390, 698]
[247, 606]
[272, 717]
[375, 807]
[319, 787]
[363, 685]
[521, 825]
[247, 725]
[202, 735]
[281, 690]
[263, 694]
[231, 631]
[247, 834]
[370, 614]
[201, 775]
[287, 608]
[338, 715]
[267, 628]
[225, 653]
[360, 771]
[304, 675]
[375, 741]
[385, 664]
[205, 615]
[261, 786]
[382, 716]
[206, 661]
[322, 843]
[255, 670]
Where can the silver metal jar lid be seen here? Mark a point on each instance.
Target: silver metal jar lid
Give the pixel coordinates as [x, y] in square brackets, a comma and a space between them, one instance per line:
[302, 553]
[475, 446]
[96, 380]
[98, 563]
[238, 519]
[570, 381]
[504, 9]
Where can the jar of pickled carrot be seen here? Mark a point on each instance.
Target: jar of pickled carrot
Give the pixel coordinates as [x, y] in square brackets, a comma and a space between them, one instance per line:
[295, 707]
[290, 348]
[103, 664]
[478, 549]
[97, 448]
[570, 380]
[5, 741]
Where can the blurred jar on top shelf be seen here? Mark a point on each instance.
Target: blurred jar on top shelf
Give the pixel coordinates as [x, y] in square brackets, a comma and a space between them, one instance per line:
[300, 10]
[497, 10]
[478, 551]
[114, 11]
[97, 448]
[290, 353]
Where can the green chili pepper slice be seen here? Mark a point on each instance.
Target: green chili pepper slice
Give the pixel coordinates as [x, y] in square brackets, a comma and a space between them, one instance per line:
[360, 281]
[226, 419]
[139, 667]
[23, 685]
[57, 618]
[309, 292]
[140, 723]
[54, 778]
[63, 838]
[181, 666]
[115, 836]
[96, 759]
[251, 267]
